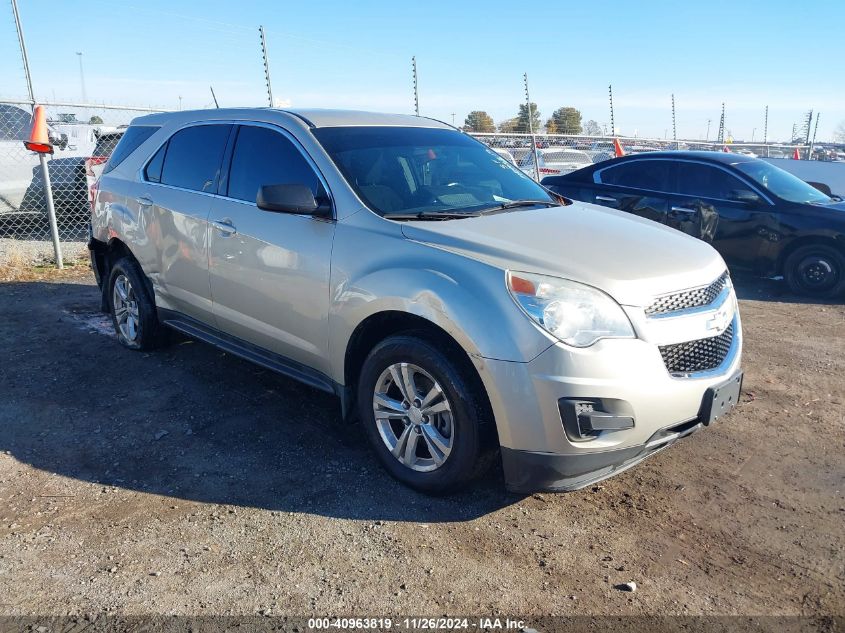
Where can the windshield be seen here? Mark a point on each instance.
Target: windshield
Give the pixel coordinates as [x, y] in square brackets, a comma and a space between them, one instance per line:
[406, 171]
[781, 183]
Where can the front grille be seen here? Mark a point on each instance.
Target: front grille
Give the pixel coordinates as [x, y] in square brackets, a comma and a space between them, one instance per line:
[689, 298]
[700, 355]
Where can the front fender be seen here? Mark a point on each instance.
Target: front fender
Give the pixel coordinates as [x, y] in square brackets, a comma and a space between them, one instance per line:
[466, 298]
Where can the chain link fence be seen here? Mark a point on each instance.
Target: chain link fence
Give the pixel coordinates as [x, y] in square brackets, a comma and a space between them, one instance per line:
[83, 137]
[558, 154]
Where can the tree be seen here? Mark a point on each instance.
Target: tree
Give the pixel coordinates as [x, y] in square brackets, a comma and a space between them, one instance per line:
[509, 126]
[567, 120]
[551, 127]
[95, 120]
[591, 128]
[522, 118]
[839, 134]
[479, 121]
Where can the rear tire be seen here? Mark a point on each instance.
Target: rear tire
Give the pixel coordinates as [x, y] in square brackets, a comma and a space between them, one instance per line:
[132, 307]
[428, 431]
[815, 270]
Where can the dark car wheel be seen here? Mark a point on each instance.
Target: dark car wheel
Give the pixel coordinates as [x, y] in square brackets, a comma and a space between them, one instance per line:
[421, 415]
[132, 308]
[816, 269]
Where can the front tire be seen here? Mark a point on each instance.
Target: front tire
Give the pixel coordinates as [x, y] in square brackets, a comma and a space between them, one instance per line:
[816, 270]
[132, 308]
[421, 415]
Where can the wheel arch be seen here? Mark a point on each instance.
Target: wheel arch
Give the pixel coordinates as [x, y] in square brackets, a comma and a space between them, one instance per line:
[381, 325]
[109, 253]
[808, 240]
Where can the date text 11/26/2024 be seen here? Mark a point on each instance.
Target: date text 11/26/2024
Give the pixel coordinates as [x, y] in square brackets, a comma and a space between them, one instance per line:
[415, 624]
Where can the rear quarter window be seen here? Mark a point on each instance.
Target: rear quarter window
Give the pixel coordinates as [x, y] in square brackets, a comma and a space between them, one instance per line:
[132, 139]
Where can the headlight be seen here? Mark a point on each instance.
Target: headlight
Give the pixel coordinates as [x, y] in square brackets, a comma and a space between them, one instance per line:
[578, 315]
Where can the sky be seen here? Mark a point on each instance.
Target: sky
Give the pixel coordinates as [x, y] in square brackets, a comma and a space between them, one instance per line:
[470, 56]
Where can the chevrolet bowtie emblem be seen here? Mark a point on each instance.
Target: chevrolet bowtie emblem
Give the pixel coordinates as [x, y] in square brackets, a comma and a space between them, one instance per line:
[719, 321]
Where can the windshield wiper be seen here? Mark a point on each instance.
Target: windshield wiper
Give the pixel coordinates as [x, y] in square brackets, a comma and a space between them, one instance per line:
[515, 204]
[431, 215]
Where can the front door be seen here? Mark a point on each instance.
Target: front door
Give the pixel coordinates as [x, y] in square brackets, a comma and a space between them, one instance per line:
[270, 271]
[708, 206]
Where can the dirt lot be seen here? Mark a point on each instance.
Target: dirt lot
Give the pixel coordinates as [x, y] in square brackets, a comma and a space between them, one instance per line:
[187, 481]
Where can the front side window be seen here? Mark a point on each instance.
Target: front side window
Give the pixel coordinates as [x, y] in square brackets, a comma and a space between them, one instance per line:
[193, 157]
[266, 157]
[706, 181]
[781, 183]
[653, 175]
[408, 170]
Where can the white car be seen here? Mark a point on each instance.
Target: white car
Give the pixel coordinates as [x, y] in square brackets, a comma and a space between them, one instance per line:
[555, 161]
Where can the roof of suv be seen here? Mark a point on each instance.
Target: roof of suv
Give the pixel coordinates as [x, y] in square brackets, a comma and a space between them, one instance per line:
[312, 117]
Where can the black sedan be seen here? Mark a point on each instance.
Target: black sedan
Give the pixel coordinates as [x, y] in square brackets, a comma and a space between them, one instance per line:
[756, 215]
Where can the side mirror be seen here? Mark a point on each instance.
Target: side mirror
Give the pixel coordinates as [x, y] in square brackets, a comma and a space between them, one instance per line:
[744, 195]
[296, 199]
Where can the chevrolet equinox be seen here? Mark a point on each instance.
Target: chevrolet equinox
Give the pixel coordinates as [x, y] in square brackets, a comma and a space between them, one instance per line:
[458, 309]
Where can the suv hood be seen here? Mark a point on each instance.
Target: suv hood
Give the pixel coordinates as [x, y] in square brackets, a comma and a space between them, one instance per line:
[630, 258]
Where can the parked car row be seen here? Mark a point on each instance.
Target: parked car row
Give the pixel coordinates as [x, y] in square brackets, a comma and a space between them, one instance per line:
[460, 311]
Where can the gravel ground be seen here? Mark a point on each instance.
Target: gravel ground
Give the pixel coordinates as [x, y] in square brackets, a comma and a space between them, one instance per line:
[186, 481]
[38, 251]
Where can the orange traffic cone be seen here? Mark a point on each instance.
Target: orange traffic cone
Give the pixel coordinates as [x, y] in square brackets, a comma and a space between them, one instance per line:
[796, 155]
[617, 148]
[39, 140]
[726, 149]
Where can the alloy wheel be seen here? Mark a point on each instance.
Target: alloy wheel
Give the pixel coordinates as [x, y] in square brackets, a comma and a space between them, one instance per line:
[414, 417]
[125, 308]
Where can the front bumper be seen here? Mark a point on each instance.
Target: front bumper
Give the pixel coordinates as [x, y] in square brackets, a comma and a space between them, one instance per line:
[640, 406]
[527, 471]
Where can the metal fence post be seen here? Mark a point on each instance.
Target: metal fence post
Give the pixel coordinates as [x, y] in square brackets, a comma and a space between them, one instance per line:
[51, 211]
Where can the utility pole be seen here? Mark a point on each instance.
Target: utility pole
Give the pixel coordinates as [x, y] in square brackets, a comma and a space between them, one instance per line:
[612, 123]
[416, 86]
[674, 128]
[807, 125]
[707, 136]
[180, 103]
[266, 65]
[753, 132]
[82, 78]
[453, 119]
[813, 142]
[531, 129]
[766, 131]
[24, 57]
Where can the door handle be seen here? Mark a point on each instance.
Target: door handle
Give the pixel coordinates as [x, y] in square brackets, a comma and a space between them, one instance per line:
[605, 199]
[144, 201]
[225, 227]
[683, 210]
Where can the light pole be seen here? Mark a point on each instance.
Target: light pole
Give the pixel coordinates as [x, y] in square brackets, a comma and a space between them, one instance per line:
[707, 136]
[82, 78]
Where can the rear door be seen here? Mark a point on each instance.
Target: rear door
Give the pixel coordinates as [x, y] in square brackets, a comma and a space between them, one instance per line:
[705, 206]
[638, 186]
[270, 271]
[172, 201]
